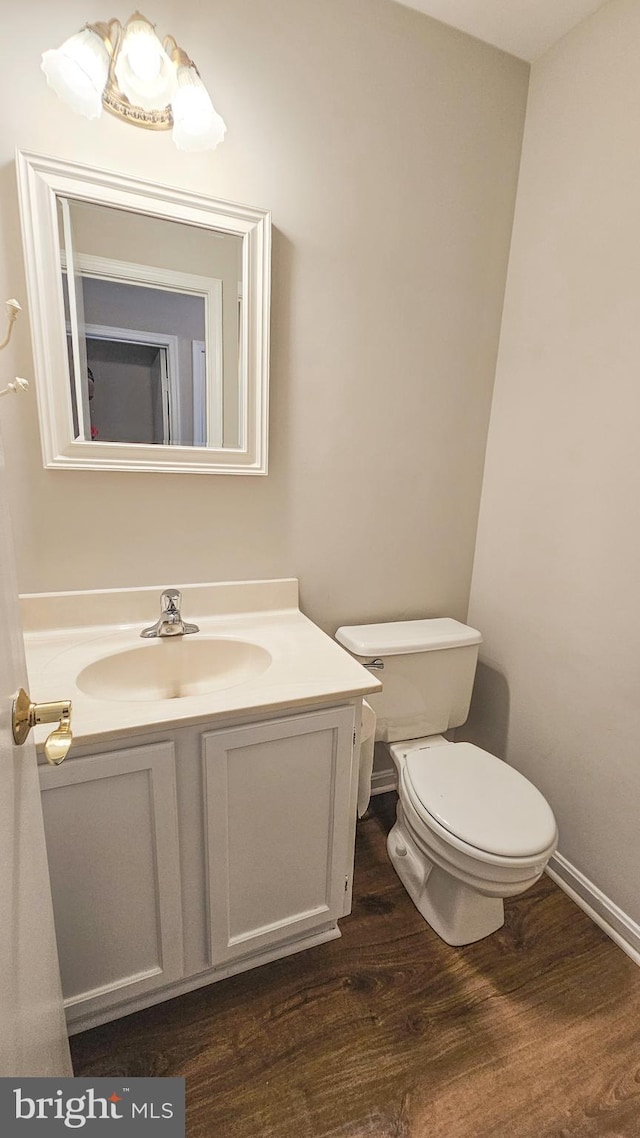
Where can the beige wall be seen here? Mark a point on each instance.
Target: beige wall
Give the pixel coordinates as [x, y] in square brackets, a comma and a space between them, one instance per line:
[557, 571]
[387, 147]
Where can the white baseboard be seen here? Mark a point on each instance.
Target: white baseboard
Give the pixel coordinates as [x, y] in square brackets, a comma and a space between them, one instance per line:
[611, 919]
[384, 780]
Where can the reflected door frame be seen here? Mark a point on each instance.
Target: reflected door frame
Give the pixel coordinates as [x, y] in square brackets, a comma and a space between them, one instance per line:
[208, 289]
[171, 412]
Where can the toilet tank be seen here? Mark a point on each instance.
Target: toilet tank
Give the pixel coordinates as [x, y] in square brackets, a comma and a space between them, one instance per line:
[427, 675]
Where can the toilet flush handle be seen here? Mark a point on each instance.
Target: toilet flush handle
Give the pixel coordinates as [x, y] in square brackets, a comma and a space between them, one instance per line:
[375, 665]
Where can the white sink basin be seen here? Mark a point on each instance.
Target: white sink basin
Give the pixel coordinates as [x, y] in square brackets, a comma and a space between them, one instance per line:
[172, 668]
[255, 654]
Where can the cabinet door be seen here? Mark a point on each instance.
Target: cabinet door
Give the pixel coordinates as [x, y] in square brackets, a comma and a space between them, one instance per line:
[112, 841]
[278, 827]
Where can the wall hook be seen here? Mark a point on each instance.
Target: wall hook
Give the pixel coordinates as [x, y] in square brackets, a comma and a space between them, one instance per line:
[15, 387]
[18, 384]
[13, 308]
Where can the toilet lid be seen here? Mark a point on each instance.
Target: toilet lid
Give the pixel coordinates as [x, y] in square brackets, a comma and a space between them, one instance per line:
[481, 800]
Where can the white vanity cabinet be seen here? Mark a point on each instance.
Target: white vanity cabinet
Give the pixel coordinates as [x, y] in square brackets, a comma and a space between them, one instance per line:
[181, 858]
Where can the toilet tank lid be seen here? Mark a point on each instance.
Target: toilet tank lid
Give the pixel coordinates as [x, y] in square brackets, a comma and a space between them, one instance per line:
[396, 637]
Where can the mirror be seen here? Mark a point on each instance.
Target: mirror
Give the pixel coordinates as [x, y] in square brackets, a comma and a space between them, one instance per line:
[150, 322]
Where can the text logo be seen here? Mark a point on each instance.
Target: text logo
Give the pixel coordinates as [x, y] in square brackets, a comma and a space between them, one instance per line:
[141, 1106]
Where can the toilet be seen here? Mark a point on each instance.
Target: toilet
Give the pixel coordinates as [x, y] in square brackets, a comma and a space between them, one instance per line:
[470, 830]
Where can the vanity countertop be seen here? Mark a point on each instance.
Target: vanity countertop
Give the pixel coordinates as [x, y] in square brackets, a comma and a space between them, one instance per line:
[67, 632]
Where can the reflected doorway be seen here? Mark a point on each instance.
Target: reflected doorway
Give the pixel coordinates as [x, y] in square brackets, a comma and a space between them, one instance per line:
[128, 392]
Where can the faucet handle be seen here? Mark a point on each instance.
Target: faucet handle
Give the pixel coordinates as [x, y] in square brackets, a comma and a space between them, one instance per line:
[171, 600]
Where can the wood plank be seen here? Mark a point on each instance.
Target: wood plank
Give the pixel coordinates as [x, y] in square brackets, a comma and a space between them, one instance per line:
[390, 1033]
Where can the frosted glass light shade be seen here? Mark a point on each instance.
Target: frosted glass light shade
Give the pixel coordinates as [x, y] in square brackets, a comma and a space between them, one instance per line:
[129, 71]
[196, 123]
[78, 72]
[143, 70]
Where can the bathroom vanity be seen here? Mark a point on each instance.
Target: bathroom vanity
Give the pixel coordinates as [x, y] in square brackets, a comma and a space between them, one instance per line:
[198, 830]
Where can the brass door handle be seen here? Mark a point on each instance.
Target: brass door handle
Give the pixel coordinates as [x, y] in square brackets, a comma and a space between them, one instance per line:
[26, 715]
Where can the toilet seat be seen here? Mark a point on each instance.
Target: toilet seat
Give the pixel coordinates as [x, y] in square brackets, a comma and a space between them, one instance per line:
[482, 804]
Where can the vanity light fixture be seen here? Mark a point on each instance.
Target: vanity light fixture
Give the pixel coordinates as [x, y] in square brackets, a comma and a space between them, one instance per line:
[130, 71]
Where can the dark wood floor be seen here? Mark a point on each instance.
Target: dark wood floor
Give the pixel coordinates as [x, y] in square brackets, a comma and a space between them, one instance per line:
[389, 1033]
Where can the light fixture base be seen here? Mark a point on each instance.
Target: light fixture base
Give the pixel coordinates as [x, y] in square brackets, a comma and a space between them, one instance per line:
[117, 104]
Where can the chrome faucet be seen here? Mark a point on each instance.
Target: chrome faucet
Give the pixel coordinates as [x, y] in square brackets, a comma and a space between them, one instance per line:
[170, 622]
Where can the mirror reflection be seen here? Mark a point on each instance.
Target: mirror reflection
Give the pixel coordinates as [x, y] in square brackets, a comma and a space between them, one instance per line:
[153, 317]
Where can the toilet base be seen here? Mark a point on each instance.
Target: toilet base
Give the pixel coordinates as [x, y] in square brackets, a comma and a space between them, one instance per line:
[455, 911]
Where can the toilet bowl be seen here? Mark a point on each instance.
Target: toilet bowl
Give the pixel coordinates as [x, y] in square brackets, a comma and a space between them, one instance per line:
[470, 830]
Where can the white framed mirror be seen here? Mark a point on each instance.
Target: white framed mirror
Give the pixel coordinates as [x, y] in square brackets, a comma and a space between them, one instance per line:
[149, 319]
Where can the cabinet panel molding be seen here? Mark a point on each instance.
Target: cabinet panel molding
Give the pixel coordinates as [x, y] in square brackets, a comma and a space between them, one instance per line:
[277, 797]
[112, 839]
